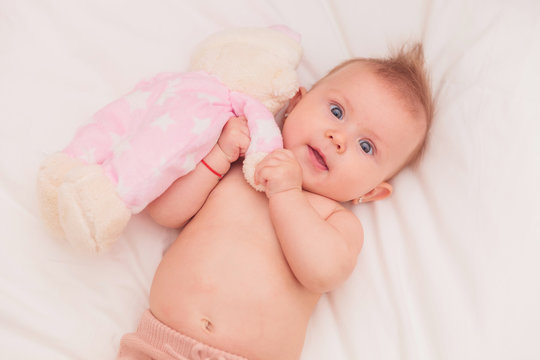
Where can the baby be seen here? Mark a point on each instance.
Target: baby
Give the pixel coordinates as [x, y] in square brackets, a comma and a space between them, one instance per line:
[246, 271]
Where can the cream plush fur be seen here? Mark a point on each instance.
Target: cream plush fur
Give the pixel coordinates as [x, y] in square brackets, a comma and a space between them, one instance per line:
[79, 202]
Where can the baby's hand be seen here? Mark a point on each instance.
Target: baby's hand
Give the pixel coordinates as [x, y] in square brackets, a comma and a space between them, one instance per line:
[234, 139]
[279, 172]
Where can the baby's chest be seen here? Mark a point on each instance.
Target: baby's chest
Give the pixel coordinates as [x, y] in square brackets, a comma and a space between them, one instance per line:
[239, 200]
[235, 203]
[234, 227]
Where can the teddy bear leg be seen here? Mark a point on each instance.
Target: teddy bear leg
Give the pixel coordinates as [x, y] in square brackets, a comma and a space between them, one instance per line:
[91, 213]
[50, 176]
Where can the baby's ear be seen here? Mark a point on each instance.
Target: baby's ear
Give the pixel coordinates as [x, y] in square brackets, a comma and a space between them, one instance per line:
[295, 99]
[379, 192]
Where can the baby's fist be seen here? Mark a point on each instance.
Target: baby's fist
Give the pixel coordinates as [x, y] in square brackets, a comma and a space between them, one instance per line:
[279, 171]
[234, 139]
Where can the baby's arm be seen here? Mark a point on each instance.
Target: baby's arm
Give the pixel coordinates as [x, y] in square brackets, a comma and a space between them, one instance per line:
[186, 195]
[321, 252]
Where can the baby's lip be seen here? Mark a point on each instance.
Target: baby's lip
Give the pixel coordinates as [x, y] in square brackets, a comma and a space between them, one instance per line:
[318, 158]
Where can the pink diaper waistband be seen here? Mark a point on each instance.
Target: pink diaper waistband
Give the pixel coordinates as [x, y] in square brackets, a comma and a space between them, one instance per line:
[160, 342]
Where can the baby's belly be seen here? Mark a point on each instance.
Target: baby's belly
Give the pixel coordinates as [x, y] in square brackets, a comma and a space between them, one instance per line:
[226, 283]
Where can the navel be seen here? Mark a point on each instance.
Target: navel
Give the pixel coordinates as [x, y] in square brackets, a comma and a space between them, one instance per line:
[207, 325]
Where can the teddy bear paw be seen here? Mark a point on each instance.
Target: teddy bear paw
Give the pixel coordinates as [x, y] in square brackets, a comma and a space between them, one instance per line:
[50, 176]
[91, 213]
[248, 167]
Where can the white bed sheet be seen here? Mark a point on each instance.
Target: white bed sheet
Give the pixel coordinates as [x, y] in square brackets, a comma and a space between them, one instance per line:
[450, 264]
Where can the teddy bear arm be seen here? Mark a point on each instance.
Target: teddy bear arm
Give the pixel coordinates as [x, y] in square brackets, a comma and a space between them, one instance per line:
[263, 129]
[264, 133]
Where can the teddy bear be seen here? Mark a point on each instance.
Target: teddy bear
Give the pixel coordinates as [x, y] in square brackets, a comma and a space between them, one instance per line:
[131, 150]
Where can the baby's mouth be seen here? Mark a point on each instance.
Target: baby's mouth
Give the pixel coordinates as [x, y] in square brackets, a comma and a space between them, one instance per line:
[317, 158]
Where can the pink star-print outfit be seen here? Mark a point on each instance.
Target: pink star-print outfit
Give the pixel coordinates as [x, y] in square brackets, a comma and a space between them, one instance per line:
[159, 131]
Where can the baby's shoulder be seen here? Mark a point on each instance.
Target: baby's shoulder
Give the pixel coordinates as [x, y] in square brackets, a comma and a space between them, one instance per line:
[325, 206]
[341, 218]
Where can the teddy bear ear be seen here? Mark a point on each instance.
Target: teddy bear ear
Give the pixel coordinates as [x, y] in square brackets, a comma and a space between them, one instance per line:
[285, 83]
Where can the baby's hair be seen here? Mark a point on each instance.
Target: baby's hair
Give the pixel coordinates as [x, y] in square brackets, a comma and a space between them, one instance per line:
[405, 72]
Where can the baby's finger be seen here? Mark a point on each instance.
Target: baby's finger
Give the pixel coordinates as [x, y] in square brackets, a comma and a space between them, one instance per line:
[262, 170]
[245, 131]
[283, 154]
[257, 177]
[244, 145]
[268, 161]
[274, 156]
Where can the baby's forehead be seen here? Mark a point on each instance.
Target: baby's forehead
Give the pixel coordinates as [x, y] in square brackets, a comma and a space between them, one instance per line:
[402, 89]
[361, 71]
[357, 73]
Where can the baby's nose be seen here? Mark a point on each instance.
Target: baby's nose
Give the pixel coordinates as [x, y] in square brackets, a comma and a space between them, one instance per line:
[337, 139]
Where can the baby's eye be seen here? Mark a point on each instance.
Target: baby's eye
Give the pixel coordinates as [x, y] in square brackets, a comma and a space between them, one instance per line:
[336, 111]
[366, 146]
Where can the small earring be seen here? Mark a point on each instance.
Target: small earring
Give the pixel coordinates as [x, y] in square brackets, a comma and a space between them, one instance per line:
[286, 114]
[357, 201]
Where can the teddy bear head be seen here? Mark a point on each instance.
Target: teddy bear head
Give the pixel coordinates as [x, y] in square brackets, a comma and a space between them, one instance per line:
[260, 62]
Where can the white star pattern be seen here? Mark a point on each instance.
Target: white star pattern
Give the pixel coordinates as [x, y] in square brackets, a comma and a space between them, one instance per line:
[121, 148]
[120, 144]
[137, 100]
[157, 170]
[89, 156]
[268, 128]
[200, 125]
[210, 98]
[263, 130]
[169, 92]
[163, 122]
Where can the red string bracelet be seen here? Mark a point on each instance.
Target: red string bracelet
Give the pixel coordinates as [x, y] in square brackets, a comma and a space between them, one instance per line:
[220, 176]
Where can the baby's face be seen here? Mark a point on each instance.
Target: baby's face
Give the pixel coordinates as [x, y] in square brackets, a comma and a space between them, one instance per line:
[350, 133]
